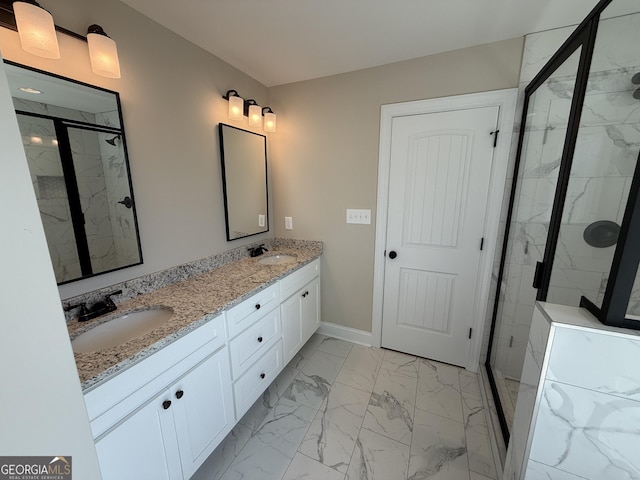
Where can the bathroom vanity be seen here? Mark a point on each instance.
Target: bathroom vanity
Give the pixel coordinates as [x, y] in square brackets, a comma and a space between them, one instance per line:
[161, 411]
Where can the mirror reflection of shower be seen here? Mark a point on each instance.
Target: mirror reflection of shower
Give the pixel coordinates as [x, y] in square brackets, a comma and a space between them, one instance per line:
[115, 141]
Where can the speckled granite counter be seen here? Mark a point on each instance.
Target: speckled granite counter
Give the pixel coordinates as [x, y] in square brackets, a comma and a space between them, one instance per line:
[194, 302]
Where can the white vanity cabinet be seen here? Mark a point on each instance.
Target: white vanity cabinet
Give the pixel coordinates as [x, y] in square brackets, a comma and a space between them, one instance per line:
[190, 410]
[300, 308]
[162, 417]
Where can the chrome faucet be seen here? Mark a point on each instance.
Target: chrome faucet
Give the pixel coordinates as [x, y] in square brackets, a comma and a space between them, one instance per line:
[101, 307]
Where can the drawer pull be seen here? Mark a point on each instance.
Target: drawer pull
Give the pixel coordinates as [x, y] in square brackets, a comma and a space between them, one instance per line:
[179, 394]
[262, 375]
[259, 339]
[305, 294]
[166, 404]
[257, 306]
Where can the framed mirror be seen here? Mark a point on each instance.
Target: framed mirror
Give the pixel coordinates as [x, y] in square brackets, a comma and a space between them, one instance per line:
[75, 146]
[244, 181]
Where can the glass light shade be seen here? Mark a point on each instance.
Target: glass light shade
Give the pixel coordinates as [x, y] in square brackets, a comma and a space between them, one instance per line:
[36, 30]
[255, 115]
[104, 55]
[269, 122]
[236, 108]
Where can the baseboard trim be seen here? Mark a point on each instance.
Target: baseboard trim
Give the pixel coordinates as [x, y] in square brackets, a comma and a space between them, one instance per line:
[345, 333]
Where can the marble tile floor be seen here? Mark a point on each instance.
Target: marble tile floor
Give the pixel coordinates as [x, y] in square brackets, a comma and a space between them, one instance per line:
[341, 411]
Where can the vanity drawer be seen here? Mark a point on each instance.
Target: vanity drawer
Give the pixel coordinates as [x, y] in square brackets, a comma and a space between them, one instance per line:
[256, 380]
[299, 279]
[254, 341]
[252, 309]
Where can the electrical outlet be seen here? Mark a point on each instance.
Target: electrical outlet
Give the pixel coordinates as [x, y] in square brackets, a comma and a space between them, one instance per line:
[288, 223]
[362, 217]
[261, 220]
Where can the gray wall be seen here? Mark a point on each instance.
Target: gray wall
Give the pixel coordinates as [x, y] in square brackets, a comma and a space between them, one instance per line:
[325, 156]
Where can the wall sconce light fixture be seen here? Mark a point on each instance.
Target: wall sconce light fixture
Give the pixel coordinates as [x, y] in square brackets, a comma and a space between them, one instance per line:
[269, 119]
[239, 108]
[236, 105]
[37, 33]
[254, 113]
[103, 53]
[36, 29]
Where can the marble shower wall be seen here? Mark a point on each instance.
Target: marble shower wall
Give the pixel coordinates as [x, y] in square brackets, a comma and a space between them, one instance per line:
[603, 164]
[41, 149]
[125, 239]
[604, 161]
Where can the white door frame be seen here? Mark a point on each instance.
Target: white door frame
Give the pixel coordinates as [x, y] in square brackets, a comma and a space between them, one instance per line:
[506, 99]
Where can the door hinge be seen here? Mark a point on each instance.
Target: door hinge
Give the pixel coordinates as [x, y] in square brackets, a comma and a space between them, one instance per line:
[495, 138]
[511, 342]
[470, 332]
[482, 244]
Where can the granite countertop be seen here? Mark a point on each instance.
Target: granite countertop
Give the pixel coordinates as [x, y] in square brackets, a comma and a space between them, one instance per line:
[194, 302]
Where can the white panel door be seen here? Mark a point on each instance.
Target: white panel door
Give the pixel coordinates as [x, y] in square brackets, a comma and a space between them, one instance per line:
[439, 185]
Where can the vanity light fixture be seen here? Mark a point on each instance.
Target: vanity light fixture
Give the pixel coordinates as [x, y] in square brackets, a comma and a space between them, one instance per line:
[103, 53]
[269, 119]
[254, 113]
[238, 107]
[36, 29]
[37, 33]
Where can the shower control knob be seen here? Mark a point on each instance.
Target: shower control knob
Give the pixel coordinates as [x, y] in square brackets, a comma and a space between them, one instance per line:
[393, 254]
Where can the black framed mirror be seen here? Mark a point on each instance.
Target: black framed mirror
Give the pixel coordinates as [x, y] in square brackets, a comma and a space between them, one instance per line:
[74, 141]
[244, 181]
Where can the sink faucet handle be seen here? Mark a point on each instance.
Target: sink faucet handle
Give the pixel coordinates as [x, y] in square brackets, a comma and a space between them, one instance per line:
[82, 313]
[109, 301]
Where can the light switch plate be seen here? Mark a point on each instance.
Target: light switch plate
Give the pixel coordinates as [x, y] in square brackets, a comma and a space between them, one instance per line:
[361, 216]
[288, 223]
[261, 220]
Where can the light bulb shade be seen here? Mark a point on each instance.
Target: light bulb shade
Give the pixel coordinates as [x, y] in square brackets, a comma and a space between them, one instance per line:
[255, 116]
[236, 108]
[36, 30]
[269, 122]
[104, 55]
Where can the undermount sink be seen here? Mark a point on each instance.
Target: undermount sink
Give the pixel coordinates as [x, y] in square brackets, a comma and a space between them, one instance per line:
[121, 329]
[277, 259]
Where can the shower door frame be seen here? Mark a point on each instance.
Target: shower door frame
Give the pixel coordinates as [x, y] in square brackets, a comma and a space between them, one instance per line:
[583, 37]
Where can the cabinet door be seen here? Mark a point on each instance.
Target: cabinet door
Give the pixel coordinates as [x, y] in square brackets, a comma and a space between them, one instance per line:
[203, 410]
[292, 331]
[143, 447]
[310, 308]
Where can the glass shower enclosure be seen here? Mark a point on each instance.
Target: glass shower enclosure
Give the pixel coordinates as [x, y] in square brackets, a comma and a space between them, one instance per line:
[571, 223]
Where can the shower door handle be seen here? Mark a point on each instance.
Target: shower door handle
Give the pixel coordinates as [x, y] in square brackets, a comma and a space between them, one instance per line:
[537, 277]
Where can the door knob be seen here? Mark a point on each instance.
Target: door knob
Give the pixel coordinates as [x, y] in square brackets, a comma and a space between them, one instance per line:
[392, 254]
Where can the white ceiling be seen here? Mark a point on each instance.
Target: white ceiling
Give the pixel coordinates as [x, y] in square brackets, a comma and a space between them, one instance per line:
[283, 41]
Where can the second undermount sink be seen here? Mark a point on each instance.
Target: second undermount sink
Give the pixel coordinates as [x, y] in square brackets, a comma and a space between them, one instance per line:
[277, 259]
[120, 330]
